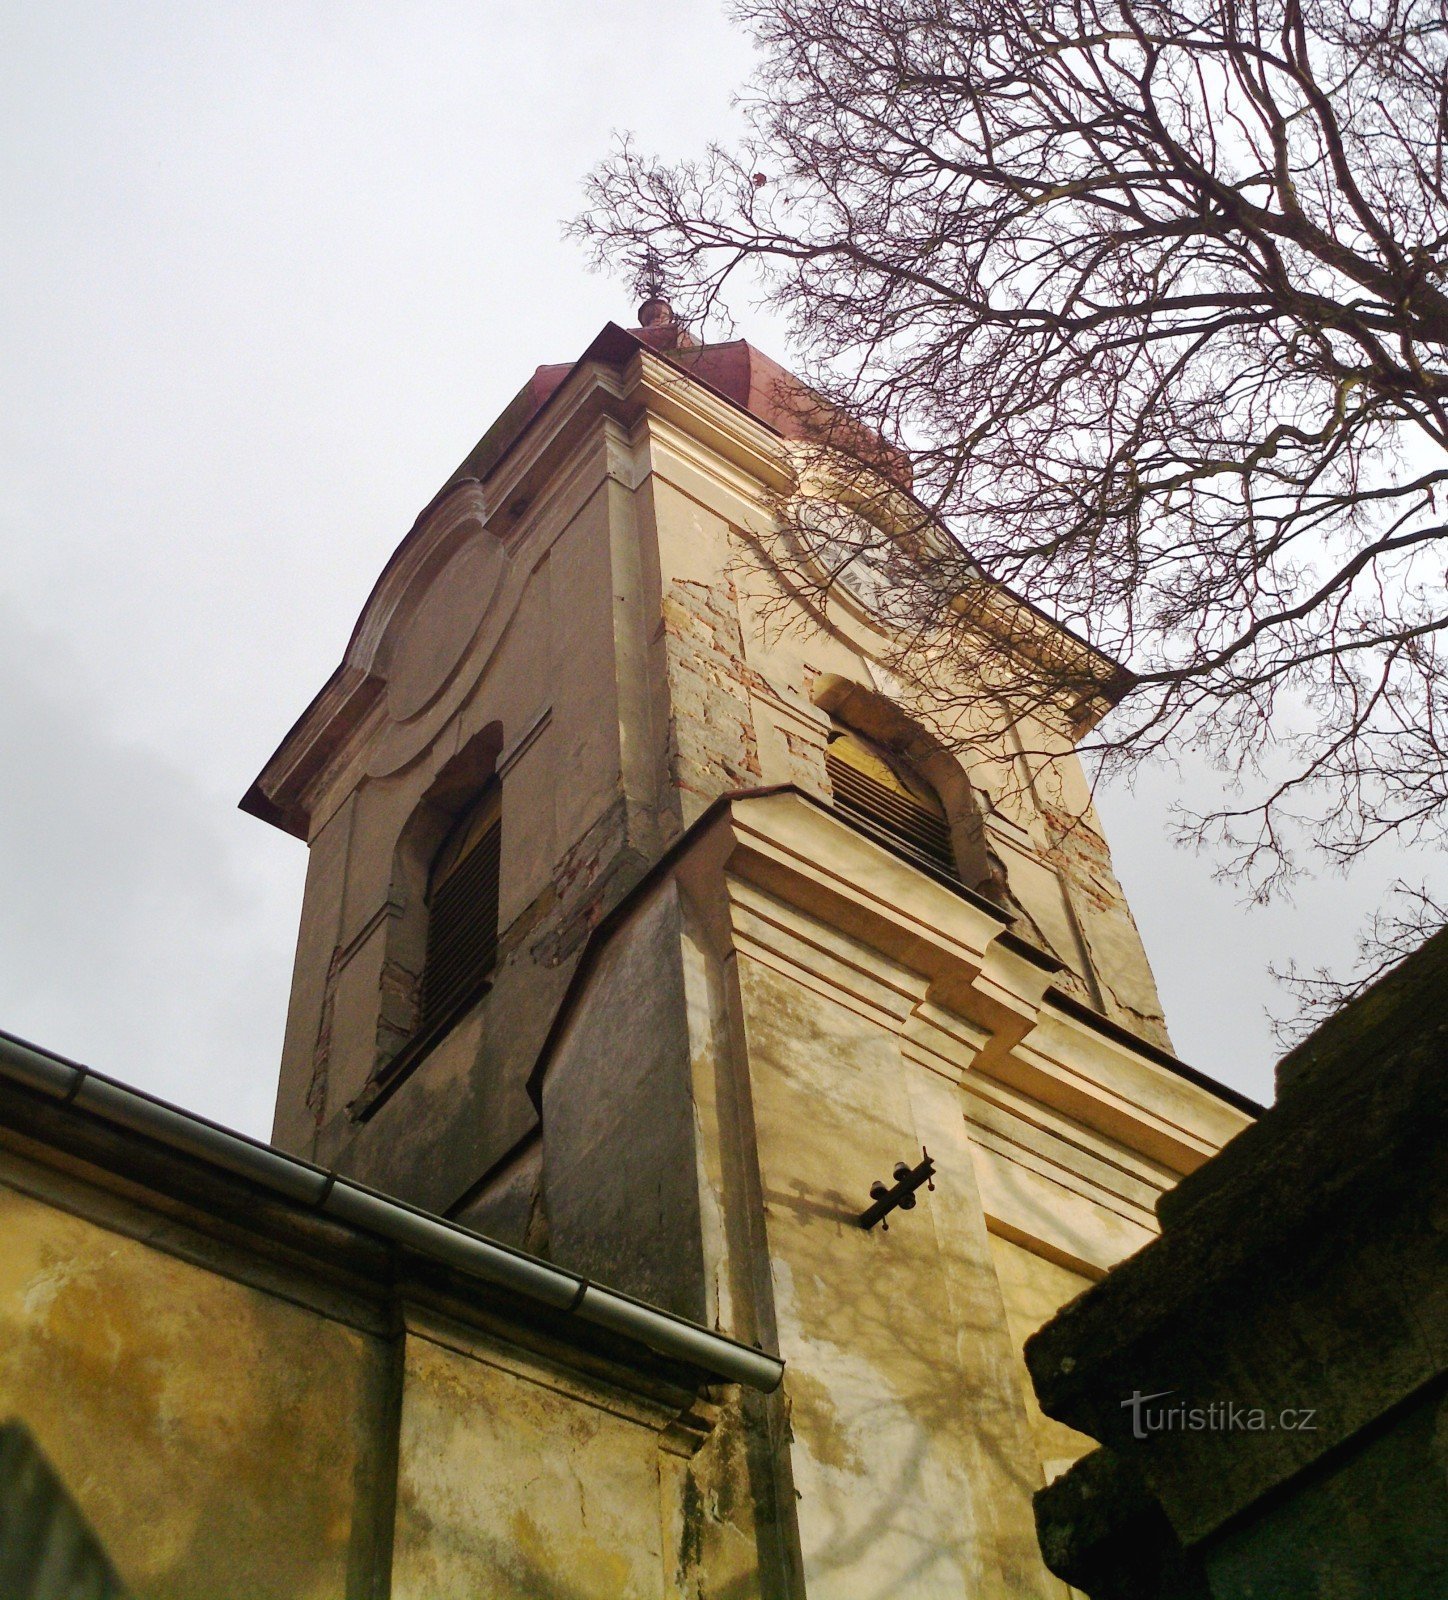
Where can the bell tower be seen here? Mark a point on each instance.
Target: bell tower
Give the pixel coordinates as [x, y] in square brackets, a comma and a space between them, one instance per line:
[651, 916]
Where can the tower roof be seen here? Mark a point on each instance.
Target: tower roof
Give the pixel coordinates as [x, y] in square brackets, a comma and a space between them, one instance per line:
[735, 369]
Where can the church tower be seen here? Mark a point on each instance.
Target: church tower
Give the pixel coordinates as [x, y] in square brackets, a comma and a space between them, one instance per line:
[652, 916]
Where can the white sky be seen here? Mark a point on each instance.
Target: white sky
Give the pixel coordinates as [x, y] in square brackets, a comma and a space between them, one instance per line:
[270, 270]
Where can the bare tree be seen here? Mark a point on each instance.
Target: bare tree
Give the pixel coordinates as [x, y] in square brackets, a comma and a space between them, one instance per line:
[1410, 916]
[1153, 295]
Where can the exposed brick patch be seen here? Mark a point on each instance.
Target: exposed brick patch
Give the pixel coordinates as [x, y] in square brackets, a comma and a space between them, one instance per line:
[591, 878]
[712, 741]
[400, 1005]
[1082, 853]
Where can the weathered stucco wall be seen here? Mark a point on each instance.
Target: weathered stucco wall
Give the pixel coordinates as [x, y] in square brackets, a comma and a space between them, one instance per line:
[1033, 1290]
[608, 609]
[240, 1419]
[514, 1482]
[743, 661]
[619, 1181]
[844, 1011]
[915, 1445]
[221, 1440]
[910, 1451]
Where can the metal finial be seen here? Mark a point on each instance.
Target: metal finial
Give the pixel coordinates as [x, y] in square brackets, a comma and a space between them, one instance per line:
[651, 283]
[650, 280]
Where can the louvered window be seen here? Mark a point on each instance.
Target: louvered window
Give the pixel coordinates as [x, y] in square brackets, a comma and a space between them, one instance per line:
[890, 800]
[462, 907]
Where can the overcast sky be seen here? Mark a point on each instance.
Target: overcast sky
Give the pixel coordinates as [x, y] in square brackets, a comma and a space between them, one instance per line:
[270, 270]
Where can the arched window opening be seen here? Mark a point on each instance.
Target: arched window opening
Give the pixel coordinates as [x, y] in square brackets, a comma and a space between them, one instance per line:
[462, 911]
[881, 790]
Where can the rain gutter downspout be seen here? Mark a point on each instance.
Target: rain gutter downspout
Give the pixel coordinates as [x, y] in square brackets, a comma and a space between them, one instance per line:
[439, 1240]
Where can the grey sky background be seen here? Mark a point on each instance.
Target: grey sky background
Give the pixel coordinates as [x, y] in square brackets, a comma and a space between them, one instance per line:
[270, 270]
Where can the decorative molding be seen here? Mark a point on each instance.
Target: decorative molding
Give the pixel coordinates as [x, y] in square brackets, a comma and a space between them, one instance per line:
[521, 745]
[985, 1006]
[815, 722]
[390, 907]
[654, 1409]
[822, 959]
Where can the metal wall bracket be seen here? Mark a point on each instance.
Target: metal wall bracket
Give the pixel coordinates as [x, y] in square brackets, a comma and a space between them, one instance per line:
[902, 1194]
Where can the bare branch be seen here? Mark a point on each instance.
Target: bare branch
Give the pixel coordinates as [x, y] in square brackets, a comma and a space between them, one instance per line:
[1155, 297]
[1411, 916]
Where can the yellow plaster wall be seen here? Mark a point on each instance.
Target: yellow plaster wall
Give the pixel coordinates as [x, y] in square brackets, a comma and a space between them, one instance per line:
[915, 1442]
[510, 1487]
[222, 1441]
[911, 1451]
[227, 1443]
[1034, 1290]
[744, 661]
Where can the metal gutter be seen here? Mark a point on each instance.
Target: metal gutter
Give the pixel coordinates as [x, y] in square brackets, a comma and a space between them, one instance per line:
[439, 1240]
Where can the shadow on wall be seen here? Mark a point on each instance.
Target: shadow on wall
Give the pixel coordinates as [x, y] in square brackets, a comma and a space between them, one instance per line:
[48, 1551]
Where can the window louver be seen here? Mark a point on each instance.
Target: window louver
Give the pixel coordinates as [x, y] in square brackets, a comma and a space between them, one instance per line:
[889, 809]
[462, 929]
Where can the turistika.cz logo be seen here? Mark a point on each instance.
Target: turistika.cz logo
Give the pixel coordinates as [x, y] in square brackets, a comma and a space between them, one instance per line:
[1220, 1416]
